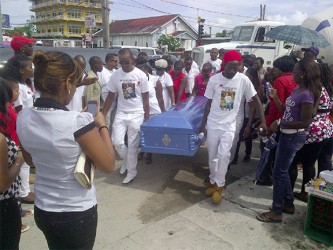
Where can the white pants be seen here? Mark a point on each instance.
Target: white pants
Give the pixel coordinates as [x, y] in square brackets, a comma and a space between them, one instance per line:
[129, 123]
[24, 174]
[239, 125]
[219, 143]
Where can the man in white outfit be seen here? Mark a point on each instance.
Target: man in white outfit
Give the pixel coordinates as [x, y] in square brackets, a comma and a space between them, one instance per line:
[215, 61]
[220, 117]
[111, 62]
[190, 73]
[131, 84]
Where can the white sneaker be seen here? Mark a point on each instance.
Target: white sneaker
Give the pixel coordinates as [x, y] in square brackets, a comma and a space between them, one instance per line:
[123, 169]
[128, 179]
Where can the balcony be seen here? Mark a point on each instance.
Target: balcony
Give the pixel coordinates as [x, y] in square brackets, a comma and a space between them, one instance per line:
[57, 35]
[64, 2]
[62, 18]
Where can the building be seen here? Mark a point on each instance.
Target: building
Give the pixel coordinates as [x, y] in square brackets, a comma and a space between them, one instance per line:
[146, 31]
[63, 22]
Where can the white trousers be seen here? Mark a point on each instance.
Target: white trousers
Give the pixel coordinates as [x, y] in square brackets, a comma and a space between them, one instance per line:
[239, 125]
[24, 174]
[130, 124]
[219, 144]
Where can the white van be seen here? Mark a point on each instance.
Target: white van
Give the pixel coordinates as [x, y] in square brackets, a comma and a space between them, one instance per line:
[149, 50]
[248, 38]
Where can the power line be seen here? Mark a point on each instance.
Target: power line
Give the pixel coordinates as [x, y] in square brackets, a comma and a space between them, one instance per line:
[211, 11]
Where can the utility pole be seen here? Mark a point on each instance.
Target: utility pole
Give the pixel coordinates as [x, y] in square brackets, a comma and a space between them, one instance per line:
[105, 20]
[1, 40]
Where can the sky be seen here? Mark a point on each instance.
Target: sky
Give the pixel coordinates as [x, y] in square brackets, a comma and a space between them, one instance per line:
[218, 14]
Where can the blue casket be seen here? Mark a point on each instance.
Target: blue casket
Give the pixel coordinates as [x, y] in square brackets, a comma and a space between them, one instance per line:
[175, 131]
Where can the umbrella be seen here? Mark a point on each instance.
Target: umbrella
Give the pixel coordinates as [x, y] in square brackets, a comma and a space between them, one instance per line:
[270, 143]
[298, 35]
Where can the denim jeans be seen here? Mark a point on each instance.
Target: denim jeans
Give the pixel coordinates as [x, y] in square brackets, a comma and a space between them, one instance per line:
[10, 224]
[68, 230]
[287, 147]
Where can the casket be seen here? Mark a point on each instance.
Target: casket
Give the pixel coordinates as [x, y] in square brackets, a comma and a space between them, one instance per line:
[176, 131]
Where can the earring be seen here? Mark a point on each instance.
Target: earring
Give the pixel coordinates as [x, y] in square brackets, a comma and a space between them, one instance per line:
[69, 92]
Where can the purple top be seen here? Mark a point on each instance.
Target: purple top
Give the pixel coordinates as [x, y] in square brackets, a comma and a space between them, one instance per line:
[294, 105]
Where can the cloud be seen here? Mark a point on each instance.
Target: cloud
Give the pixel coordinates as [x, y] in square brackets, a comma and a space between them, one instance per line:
[295, 19]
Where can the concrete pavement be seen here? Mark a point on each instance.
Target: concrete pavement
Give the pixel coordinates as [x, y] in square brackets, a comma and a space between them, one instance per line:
[165, 208]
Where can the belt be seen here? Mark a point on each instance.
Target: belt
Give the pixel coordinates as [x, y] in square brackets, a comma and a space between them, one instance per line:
[291, 130]
[131, 112]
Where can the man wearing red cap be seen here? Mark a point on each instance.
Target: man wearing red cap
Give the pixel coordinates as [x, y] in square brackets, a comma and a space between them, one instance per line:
[226, 92]
[22, 45]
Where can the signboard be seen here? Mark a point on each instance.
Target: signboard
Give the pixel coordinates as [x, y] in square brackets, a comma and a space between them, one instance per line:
[90, 21]
[4, 19]
[88, 37]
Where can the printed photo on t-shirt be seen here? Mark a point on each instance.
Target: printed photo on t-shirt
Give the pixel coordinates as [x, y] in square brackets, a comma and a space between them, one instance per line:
[129, 90]
[227, 99]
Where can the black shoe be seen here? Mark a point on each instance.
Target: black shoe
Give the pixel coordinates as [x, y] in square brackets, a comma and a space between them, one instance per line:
[207, 179]
[264, 183]
[246, 158]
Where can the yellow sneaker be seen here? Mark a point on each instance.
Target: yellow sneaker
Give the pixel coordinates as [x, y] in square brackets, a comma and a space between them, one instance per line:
[210, 189]
[217, 195]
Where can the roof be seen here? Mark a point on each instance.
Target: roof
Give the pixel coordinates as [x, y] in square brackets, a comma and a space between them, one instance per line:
[140, 25]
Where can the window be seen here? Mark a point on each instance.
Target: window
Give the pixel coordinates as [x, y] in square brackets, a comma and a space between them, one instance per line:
[74, 29]
[74, 13]
[243, 33]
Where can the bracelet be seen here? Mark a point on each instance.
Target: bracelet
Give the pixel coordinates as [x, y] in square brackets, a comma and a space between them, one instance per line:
[99, 130]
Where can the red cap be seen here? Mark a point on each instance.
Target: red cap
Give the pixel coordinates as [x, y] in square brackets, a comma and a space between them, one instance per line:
[18, 41]
[231, 55]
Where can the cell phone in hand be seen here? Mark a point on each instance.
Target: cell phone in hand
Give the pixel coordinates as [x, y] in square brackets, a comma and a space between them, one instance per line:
[92, 107]
[268, 87]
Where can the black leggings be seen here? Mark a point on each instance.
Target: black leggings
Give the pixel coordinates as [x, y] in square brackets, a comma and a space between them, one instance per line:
[10, 224]
[68, 230]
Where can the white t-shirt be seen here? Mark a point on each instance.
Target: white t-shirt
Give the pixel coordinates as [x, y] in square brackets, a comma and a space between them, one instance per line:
[195, 66]
[216, 65]
[190, 79]
[104, 78]
[153, 102]
[26, 97]
[76, 102]
[166, 82]
[227, 100]
[48, 135]
[129, 87]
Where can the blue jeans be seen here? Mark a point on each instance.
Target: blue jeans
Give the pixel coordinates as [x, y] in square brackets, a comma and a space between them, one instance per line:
[68, 230]
[287, 147]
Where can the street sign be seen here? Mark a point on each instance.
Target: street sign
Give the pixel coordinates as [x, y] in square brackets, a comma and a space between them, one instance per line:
[90, 21]
[4, 19]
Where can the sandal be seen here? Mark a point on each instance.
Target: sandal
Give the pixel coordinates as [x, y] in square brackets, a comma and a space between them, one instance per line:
[27, 212]
[24, 228]
[140, 156]
[270, 217]
[148, 159]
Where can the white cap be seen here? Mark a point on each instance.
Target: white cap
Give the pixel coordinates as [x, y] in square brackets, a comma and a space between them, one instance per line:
[161, 63]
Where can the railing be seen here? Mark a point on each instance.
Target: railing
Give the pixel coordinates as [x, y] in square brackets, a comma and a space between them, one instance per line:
[64, 17]
[65, 2]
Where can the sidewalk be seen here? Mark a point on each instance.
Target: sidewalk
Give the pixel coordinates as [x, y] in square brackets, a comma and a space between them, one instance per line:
[165, 208]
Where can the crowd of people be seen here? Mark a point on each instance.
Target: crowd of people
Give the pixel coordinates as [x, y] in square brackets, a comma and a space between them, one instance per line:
[44, 125]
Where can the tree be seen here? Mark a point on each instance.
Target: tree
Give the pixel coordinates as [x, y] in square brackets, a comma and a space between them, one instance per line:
[27, 30]
[171, 41]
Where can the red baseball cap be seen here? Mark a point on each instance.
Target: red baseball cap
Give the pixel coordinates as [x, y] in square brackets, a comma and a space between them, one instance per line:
[17, 42]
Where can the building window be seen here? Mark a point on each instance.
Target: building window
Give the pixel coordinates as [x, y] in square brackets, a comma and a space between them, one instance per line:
[74, 29]
[74, 13]
[136, 43]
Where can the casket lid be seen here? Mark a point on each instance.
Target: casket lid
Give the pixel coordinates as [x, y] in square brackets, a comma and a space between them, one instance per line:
[186, 115]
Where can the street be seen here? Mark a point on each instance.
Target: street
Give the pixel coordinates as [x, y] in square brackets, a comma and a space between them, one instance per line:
[165, 208]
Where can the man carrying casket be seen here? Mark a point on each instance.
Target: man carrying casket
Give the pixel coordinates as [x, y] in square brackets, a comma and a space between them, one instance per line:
[220, 117]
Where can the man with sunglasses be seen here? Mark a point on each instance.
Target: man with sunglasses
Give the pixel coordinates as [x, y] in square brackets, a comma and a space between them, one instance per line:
[131, 85]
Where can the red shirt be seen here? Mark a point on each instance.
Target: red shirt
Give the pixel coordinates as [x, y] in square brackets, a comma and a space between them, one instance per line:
[11, 123]
[176, 84]
[284, 86]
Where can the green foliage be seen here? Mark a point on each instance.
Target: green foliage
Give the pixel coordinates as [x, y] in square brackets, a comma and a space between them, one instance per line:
[27, 30]
[171, 41]
[219, 34]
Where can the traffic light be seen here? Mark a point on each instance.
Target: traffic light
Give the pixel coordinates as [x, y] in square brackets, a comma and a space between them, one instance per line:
[201, 31]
